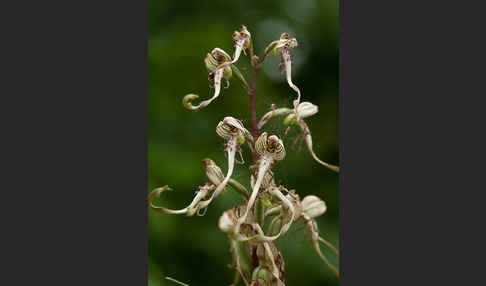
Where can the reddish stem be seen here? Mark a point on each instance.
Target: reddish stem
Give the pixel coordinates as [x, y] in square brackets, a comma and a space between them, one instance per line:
[252, 94]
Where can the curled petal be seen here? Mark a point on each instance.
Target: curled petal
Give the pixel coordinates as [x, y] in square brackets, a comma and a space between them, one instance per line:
[288, 71]
[216, 58]
[312, 226]
[218, 74]
[271, 146]
[276, 148]
[262, 169]
[261, 144]
[230, 126]
[186, 101]
[308, 141]
[261, 236]
[187, 210]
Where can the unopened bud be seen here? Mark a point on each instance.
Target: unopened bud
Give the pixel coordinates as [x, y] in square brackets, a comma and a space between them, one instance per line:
[226, 222]
[313, 206]
[213, 172]
[306, 109]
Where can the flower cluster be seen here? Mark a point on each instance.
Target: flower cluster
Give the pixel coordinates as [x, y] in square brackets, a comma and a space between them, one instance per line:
[256, 257]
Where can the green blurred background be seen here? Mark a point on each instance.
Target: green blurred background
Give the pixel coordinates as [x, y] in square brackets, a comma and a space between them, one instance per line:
[193, 249]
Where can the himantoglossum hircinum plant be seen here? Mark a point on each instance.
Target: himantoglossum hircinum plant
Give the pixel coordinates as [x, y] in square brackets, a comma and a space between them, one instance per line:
[268, 210]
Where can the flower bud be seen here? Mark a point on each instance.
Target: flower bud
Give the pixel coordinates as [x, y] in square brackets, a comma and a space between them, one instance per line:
[226, 222]
[313, 206]
[213, 172]
[306, 109]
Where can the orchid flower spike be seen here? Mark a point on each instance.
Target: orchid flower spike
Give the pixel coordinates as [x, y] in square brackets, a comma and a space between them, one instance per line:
[233, 131]
[212, 61]
[283, 46]
[189, 210]
[270, 149]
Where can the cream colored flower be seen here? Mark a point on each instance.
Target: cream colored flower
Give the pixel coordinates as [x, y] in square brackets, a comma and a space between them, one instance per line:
[313, 206]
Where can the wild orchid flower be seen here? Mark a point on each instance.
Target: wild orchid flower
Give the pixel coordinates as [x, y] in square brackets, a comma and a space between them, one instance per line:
[242, 40]
[233, 131]
[283, 47]
[304, 110]
[310, 208]
[270, 149]
[296, 116]
[212, 61]
[189, 210]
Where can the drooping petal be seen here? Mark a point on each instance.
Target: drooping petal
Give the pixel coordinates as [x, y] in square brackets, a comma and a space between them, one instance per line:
[156, 194]
[288, 73]
[308, 141]
[262, 169]
[218, 75]
[312, 226]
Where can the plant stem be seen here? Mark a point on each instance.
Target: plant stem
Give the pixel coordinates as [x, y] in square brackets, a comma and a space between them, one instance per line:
[252, 94]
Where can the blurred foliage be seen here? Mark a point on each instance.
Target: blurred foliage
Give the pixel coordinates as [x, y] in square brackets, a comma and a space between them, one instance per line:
[192, 249]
